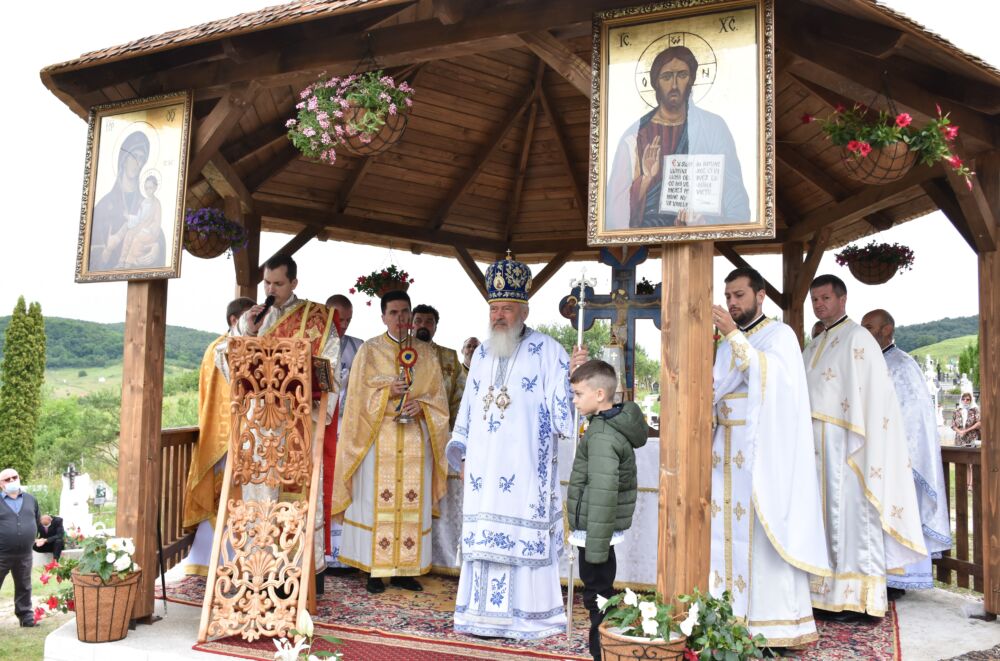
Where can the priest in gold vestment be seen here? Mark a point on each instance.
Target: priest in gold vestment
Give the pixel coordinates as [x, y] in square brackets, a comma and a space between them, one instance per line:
[389, 475]
[425, 324]
[869, 500]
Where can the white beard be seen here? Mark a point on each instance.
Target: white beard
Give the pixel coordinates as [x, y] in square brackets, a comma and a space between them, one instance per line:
[504, 341]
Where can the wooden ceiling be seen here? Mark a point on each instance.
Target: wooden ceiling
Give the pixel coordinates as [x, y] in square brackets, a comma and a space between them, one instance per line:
[495, 153]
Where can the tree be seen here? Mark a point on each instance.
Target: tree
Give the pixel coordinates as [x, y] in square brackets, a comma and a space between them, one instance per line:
[22, 373]
[647, 370]
[968, 362]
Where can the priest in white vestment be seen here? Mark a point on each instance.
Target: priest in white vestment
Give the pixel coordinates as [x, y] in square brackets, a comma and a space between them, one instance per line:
[516, 407]
[919, 417]
[767, 523]
[870, 506]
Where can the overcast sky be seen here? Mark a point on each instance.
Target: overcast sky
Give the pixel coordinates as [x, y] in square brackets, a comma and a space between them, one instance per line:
[43, 173]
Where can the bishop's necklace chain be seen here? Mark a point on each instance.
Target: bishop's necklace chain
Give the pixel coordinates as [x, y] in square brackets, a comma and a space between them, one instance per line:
[502, 399]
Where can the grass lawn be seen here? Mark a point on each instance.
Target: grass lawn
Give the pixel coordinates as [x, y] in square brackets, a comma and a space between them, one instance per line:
[67, 382]
[26, 644]
[942, 351]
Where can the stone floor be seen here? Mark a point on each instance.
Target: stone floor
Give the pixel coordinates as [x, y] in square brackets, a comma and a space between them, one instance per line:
[934, 625]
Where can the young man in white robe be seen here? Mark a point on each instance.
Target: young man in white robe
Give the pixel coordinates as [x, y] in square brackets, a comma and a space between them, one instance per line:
[924, 448]
[869, 503]
[516, 407]
[767, 524]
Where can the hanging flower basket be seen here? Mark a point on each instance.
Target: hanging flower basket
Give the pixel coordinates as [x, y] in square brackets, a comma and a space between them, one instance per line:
[381, 282]
[208, 233]
[875, 263]
[881, 166]
[364, 114]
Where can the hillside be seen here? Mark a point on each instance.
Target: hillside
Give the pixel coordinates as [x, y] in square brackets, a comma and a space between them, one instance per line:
[914, 336]
[72, 343]
[943, 351]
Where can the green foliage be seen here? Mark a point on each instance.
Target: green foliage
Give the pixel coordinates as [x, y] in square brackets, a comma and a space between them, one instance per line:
[22, 373]
[717, 635]
[86, 344]
[943, 352]
[647, 370]
[968, 362]
[82, 373]
[97, 550]
[914, 336]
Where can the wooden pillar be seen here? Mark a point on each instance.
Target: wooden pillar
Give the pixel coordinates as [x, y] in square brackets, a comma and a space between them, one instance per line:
[685, 419]
[794, 312]
[988, 171]
[247, 260]
[139, 444]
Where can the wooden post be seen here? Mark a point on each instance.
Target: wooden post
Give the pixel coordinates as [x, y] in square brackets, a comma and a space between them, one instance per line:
[139, 444]
[988, 171]
[685, 419]
[245, 261]
[791, 262]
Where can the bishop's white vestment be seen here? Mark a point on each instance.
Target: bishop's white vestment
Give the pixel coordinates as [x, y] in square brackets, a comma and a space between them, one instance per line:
[925, 456]
[870, 506]
[767, 524]
[512, 524]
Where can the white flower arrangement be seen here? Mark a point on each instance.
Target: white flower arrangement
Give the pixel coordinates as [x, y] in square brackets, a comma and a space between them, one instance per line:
[107, 557]
[303, 635]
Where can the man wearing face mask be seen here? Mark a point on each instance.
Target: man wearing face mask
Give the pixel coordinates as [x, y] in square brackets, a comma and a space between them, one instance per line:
[19, 522]
[425, 323]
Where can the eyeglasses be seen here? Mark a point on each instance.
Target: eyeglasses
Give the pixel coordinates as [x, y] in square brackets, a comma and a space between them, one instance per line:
[10, 479]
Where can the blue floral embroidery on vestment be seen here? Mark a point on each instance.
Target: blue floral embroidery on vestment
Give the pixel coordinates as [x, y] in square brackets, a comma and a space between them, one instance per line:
[498, 590]
[478, 585]
[534, 348]
[493, 424]
[533, 548]
[538, 509]
[506, 483]
[528, 385]
[475, 385]
[495, 540]
[563, 404]
[563, 365]
[470, 539]
[475, 482]
[542, 468]
[482, 350]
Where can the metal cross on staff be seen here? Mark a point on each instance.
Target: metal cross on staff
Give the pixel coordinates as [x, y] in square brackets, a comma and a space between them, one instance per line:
[583, 284]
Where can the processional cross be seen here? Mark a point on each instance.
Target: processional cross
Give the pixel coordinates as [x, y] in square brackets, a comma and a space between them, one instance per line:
[623, 306]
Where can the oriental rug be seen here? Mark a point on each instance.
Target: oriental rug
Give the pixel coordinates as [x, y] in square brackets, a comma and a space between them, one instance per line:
[398, 625]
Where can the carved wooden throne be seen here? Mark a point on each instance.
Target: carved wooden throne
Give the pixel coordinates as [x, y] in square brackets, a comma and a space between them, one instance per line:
[261, 570]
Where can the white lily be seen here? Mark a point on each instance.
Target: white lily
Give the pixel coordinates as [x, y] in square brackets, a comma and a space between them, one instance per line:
[630, 598]
[287, 651]
[687, 626]
[648, 609]
[601, 602]
[650, 627]
[304, 624]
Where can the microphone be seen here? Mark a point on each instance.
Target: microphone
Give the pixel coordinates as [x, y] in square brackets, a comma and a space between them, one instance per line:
[268, 302]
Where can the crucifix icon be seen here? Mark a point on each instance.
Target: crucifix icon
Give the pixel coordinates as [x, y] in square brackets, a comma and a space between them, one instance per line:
[71, 473]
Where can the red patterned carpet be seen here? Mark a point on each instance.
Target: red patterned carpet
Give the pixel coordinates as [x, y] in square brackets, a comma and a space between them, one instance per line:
[417, 626]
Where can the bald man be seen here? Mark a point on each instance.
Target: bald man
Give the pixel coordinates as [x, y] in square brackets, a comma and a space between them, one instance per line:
[19, 521]
[919, 421]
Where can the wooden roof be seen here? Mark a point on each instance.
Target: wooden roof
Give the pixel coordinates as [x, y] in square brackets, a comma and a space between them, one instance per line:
[495, 154]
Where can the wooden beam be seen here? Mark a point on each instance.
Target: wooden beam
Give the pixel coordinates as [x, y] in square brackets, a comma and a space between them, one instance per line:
[685, 419]
[808, 271]
[978, 214]
[222, 177]
[450, 12]
[139, 444]
[211, 132]
[484, 155]
[248, 275]
[811, 172]
[865, 80]
[867, 201]
[943, 197]
[305, 235]
[550, 269]
[561, 59]
[522, 165]
[794, 312]
[472, 270]
[278, 162]
[579, 190]
[737, 260]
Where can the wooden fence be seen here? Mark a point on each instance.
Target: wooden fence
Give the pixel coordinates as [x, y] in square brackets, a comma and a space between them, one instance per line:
[965, 560]
[176, 449]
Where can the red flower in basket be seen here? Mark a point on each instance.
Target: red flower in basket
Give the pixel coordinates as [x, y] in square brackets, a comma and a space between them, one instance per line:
[377, 283]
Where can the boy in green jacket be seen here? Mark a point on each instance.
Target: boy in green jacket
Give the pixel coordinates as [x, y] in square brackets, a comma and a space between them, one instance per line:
[603, 485]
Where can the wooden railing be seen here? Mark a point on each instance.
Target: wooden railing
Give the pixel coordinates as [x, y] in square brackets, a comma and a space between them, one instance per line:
[965, 560]
[176, 449]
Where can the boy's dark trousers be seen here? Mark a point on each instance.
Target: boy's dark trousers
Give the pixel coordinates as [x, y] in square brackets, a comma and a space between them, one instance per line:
[598, 579]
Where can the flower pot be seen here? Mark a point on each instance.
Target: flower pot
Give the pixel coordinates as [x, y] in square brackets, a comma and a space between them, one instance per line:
[389, 135]
[205, 244]
[616, 647]
[103, 611]
[881, 166]
[392, 286]
[872, 272]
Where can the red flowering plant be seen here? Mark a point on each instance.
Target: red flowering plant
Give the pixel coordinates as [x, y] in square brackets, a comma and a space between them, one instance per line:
[860, 130]
[330, 111]
[378, 282]
[62, 599]
[889, 253]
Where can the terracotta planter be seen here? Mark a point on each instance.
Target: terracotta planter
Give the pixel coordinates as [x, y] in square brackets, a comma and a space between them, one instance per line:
[103, 611]
[616, 647]
[872, 272]
[881, 166]
[390, 134]
[205, 245]
[392, 286]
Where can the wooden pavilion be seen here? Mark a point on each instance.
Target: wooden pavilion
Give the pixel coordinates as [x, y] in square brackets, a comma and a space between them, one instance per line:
[495, 156]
